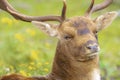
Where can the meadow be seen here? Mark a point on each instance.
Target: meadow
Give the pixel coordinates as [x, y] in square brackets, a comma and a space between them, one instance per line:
[26, 50]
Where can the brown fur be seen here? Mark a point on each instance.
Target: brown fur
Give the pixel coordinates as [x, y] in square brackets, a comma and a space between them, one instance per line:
[70, 62]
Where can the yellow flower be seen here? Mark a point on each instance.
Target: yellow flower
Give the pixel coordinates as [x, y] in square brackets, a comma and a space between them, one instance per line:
[46, 70]
[31, 32]
[19, 37]
[7, 21]
[23, 73]
[29, 74]
[39, 64]
[34, 55]
[30, 68]
[32, 63]
[46, 63]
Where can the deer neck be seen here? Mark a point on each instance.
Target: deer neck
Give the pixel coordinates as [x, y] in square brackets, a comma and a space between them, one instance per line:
[67, 68]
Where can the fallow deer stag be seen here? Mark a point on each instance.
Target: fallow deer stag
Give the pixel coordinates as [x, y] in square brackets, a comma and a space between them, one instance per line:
[76, 55]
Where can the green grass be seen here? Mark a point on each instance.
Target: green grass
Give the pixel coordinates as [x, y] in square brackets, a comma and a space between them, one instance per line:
[25, 49]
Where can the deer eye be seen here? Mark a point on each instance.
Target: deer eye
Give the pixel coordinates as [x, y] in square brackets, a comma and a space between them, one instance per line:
[68, 37]
[96, 34]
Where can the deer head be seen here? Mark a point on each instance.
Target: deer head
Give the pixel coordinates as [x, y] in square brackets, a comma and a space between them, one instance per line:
[78, 34]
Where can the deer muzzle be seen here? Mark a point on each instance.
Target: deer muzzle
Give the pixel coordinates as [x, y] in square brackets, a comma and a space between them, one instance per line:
[92, 48]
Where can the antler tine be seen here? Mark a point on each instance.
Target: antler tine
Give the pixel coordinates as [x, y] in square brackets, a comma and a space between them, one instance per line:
[4, 5]
[90, 8]
[98, 7]
[63, 15]
[101, 6]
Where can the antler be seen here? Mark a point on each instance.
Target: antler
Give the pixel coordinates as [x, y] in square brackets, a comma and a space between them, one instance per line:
[4, 5]
[90, 8]
[63, 15]
[98, 7]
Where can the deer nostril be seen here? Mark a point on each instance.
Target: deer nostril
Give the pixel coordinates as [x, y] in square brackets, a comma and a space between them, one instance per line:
[93, 48]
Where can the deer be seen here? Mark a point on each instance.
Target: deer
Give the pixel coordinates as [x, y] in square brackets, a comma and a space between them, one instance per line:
[77, 51]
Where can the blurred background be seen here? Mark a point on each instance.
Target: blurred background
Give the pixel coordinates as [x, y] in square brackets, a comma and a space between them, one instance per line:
[26, 50]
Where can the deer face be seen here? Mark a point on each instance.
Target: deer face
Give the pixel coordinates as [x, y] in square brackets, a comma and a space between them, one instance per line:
[78, 35]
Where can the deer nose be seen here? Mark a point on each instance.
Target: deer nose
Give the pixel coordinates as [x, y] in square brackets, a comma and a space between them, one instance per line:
[93, 48]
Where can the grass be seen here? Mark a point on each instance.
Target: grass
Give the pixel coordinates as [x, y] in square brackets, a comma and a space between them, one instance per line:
[26, 50]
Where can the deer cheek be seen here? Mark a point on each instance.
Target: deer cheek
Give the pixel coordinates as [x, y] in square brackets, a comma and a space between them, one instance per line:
[79, 52]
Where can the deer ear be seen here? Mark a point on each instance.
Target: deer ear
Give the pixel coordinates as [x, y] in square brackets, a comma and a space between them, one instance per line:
[47, 28]
[105, 20]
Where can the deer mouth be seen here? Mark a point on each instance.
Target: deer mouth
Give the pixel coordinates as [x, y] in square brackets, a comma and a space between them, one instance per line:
[92, 54]
[88, 57]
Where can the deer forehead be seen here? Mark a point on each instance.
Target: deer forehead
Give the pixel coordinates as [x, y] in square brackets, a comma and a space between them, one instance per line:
[79, 25]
